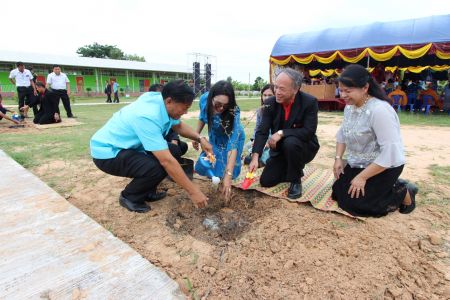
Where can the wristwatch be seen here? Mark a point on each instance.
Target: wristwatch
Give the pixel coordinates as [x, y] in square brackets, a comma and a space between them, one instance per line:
[337, 157]
[280, 132]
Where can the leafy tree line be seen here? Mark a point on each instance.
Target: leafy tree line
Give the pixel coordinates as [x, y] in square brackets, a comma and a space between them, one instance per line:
[113, 52]
[107, 51]
[240, 86]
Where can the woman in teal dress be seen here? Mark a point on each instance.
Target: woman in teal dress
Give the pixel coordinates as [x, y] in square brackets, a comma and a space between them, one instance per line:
[219, 110]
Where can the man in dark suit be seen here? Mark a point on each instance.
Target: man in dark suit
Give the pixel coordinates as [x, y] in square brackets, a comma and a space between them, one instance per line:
[291, 116]
[108, 91]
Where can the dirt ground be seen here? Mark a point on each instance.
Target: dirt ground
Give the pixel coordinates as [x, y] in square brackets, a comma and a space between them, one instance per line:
[260, 247]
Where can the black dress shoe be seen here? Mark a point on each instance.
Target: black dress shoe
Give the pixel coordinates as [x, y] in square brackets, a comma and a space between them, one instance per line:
[412, 190]
[295, 190]
[133, 206]
[152, 197]
[71, 116]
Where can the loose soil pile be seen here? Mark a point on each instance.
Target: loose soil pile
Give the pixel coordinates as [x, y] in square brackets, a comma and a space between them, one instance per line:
[259, 247]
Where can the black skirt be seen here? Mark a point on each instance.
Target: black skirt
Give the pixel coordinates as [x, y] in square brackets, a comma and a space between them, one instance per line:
[383, 193]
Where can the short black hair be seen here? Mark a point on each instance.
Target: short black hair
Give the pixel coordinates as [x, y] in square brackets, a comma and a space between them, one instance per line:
[179, 91]
[155, 87]
[19, 63]
[56, 66]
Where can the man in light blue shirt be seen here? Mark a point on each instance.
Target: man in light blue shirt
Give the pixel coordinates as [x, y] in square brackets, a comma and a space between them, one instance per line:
[115, 87]
[131, 144]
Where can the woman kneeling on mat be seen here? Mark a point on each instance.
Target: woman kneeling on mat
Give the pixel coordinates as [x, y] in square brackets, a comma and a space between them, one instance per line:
[368, 183]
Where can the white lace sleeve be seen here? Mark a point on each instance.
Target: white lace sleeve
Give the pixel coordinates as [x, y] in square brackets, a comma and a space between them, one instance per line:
[340, 136]
[386, 127]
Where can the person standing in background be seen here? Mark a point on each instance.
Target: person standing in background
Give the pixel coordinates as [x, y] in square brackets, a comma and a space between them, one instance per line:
[59, 84]
[108, 92]
[35, 108]
[23, 79]
[115, 87]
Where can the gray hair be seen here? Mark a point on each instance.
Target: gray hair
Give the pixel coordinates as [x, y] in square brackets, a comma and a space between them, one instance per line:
[295, 76]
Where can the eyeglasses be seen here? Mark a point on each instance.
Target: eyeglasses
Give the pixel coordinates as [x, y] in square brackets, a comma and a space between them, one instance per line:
[219, 105]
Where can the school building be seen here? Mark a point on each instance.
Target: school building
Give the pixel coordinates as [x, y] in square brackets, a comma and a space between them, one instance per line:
[88, 75]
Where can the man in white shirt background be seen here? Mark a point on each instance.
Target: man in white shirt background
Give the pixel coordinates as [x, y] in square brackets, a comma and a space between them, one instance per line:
[23, 79]
[59, 84]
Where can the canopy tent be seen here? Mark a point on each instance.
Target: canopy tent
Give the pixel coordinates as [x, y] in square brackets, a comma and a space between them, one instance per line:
[413, 45]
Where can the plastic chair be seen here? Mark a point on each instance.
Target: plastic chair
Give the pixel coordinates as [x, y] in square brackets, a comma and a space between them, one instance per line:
[427, 99]
[397, 101]
[412, 98]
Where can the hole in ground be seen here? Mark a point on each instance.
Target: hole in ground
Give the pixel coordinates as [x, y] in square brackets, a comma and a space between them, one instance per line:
[218, 222]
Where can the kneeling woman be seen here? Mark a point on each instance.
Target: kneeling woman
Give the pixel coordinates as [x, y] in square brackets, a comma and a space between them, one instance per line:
[48, 111]
[219, 110]
[369, 184]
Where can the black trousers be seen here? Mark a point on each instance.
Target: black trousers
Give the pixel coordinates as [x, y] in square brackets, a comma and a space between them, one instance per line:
[62, 94]
[25, 95]
[288, 162]
[144, 168]
[383, 193]
[182, 147]
[116, 97]
[108, 98]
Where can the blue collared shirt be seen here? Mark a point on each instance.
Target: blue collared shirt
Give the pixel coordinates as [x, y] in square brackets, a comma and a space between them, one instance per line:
[141, 126]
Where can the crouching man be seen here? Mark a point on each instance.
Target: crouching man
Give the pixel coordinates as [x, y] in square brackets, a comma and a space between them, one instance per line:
[291, 116]
[131, 144]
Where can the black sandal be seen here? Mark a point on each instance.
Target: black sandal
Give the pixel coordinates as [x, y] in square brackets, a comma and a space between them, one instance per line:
[412, 189]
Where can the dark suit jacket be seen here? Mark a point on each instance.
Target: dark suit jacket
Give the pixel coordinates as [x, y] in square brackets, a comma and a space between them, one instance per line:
[48, 102]
[302, 122]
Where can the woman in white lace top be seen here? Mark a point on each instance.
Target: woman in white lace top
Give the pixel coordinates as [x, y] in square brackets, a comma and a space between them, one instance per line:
[367, 182]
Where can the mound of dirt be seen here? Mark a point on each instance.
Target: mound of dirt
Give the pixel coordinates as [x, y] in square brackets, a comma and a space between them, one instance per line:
[259, 247]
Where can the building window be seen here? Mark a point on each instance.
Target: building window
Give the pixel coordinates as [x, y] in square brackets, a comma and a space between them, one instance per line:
[113, 73]
[5, 67]
[87, 72]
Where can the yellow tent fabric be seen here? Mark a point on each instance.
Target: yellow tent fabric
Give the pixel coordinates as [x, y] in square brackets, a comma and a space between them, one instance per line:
[416, 69]
[411, 54]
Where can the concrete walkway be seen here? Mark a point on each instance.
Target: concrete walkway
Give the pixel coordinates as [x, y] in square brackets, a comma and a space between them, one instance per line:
[51, 250]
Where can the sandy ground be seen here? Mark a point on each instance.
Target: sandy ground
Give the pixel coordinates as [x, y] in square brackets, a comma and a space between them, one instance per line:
[260, 247]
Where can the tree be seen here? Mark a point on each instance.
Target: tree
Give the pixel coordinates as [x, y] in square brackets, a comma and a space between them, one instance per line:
[229, 79]
[134, 57]
[96, 50]
[259, 84]
[116, 53]
[239, 86]
[107, 51]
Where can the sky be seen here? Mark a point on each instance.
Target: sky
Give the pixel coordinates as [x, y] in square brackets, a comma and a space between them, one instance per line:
[238, 36]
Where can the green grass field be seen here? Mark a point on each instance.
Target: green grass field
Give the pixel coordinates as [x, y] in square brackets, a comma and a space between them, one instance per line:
[417, 119]
[245, 103]
[72, 143]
